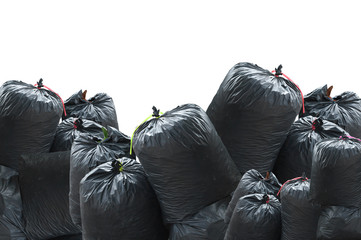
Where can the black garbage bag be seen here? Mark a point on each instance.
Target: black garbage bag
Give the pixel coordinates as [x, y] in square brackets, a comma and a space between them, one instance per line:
[344, 109]
[186, 161]
[207, 224]
[71, 128]
[339, 223]
[256, 216]
[336, 172]
[295, 157]
[252, 182]
[117, 202]
[11, 219]
[252, 113]
[88, 152]
[299, 214]
[99, 108]
[29, 116]
[44, 184]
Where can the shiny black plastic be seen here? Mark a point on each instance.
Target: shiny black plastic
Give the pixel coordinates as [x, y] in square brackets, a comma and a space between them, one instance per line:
[44, 182]
[11, 220]
[344, 109]
[117, 202]
[186, 161]
[299, 214]
[88, 152]
[339, 223]
[256, 217]
[336, 172]
[252, 113]
[71, 128]
[295, 157]
[207, 224]
[28, 119]
[99, 108]
[252, 182]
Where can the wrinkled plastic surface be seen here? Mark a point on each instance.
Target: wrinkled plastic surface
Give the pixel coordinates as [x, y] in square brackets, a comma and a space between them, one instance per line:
[99, 108]
[186, 161]
[344, 109]
[299, 214]
[255, 219]
[252, 182]
[339, 223]
[88, 152]
[336, 172]
[117, 202]
[28, 119]
[207, 224]
[295, 157]
[252, 113]
[71, 128]
[44, 181]
[11, 221]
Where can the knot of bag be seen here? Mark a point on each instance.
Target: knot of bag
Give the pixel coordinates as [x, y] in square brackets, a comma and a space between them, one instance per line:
[265, 198]
[40, 83]
[278, 71]
[117, 166]
[317, 123]
[78, 123]
[155, 112]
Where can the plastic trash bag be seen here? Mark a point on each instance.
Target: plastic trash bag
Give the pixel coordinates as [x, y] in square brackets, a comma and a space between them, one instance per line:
[336, 172]
[185, 160]
[207, 224]
[295, 157]
[252, 182]
[11, 219]
[299, 214]
[29, 116]
[88, 152]
[252, 112]
[256, 216]
[339, 223]
[344, 109]
[99, 108]
[71, 128]
[117, 202]
[44, 183]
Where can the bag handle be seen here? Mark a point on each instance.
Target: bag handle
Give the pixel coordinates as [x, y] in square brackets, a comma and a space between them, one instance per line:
[155, 114]
[40, 84]
[277, 72]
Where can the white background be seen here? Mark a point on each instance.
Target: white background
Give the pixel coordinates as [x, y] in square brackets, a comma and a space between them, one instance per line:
[167, 53]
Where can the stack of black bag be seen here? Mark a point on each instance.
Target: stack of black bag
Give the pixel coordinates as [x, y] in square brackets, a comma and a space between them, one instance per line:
[336, 174]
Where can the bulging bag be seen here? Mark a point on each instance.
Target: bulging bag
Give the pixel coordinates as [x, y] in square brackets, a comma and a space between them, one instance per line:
[252, 182]
[11, 209]
[99, 108]
[339, 223]
[295, 157]
[252, 112]
[185, 160]
[207, 224]
[256, 216]
[44, 185]
[88, 152]
[29, 116]
[71, 128]
[117, 202]
[344, 109]
[299, 214]
[336, 172]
